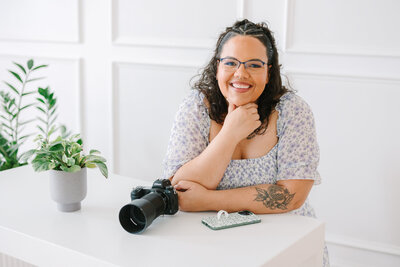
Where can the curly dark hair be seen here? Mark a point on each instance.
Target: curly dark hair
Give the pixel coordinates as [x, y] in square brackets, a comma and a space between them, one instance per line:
[208, 84]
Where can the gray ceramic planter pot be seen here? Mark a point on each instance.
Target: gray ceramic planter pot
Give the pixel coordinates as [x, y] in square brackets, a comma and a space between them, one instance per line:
[68, 189]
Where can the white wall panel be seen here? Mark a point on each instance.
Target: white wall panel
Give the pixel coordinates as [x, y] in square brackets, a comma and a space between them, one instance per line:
[270, 11]
[40, 20]
[171, 23]
[63, 78]
[358, 130]
[341, 26]
[146, 100]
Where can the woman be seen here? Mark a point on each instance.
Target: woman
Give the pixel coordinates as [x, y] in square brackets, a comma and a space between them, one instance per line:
[241, 140]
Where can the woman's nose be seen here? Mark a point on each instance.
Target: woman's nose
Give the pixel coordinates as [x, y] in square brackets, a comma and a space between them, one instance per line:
[241, 72]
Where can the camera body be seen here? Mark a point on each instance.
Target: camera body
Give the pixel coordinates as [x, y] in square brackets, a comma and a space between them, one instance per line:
[163, 188]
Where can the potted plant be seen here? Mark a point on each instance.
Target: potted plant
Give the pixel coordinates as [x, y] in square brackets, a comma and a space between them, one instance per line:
[63, 157]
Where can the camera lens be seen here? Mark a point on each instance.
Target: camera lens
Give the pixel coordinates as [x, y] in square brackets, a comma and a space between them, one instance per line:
[140, 213]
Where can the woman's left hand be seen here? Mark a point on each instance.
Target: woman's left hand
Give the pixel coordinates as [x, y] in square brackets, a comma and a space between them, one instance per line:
[192, 196]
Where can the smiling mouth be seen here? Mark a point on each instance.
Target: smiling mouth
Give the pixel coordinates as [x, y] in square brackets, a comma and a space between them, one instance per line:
[240, 87]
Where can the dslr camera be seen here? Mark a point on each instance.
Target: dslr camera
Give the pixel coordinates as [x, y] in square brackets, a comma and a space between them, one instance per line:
[147, 204]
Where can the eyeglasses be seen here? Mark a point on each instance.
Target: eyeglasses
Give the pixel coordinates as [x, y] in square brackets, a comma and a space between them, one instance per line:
[232, 64]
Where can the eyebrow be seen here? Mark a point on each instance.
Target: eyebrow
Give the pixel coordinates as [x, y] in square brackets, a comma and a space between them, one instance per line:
[257, 59]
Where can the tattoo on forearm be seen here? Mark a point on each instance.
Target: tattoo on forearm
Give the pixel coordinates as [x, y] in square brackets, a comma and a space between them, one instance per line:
[274, 197]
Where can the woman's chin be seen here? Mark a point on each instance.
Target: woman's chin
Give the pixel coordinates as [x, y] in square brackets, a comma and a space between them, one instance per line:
[239, 102]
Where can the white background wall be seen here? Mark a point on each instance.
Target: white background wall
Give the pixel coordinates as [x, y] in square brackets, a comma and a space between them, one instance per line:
[120, 69]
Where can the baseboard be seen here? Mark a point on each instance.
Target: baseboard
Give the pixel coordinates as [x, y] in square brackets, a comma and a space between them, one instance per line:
[349, 252]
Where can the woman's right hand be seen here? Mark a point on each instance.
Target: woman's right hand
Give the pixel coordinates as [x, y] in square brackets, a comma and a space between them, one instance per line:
[241, 121]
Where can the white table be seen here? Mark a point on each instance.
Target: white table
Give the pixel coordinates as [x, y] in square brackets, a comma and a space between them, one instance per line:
[32, 230]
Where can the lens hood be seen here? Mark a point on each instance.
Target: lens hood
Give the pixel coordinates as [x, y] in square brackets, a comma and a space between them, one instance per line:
[136, 216]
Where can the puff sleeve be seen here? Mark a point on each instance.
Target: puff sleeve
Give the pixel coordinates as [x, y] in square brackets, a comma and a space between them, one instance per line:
[189, 134]
[298, 150]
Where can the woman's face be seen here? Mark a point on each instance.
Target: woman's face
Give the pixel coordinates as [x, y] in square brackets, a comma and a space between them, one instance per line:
[242, 86]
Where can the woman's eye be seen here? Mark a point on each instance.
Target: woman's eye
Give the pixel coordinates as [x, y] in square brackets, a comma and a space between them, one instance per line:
[231, 63]
[255, 65]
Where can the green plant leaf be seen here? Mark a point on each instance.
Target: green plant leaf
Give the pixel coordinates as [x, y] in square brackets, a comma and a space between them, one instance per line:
[26, 122]
[56, 147]
[94, 151]
[8, 127]
[73, 168]
[40, 165]
[64, 158]
[75, 136]
[52, 130]
[41, 109]
[42, 120]
[53, 110]
[35, 79]
[70, 162]
[30, 64]
[90, 165]
[43, 92]
[92, 157]
[38, 67]
[11, 104]
[52, 102]
[41, 129]
[103, 168]
[20, 66]
[40, 100]
[27, 155]
[52, 165]
[16, 75]
[28, 93]
[24, 137]
[53, 120]
[26, 106]
[12, 87]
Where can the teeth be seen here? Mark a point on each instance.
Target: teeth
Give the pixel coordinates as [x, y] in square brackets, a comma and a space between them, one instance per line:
[236, 85]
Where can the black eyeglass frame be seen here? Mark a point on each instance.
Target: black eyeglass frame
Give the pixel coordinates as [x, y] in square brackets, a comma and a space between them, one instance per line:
[244, 62]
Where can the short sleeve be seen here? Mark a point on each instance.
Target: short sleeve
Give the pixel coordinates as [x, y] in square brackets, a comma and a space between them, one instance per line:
[298, 150]
[189, 134]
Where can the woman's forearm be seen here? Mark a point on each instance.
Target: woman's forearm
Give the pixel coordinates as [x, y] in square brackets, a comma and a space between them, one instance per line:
[208, 168]
[261, 199]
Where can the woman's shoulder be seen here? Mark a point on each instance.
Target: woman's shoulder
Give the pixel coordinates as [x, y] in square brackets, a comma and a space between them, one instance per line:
[293, 111]
[193, 103]
[291, 104]
[193, 98]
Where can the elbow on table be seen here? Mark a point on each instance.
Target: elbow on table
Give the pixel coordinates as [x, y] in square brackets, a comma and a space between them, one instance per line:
[208, 185]
[297, 204]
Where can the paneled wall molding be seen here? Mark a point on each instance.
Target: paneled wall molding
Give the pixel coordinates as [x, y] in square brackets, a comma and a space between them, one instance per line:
[201, 43]
[45, 50]
[42, 41]
[158, 63]
[73, 11]
[289, 46]
[164, 42]
[341, 76]
[366, 245]
[154, 42]
[339, 51]
[113, 96]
